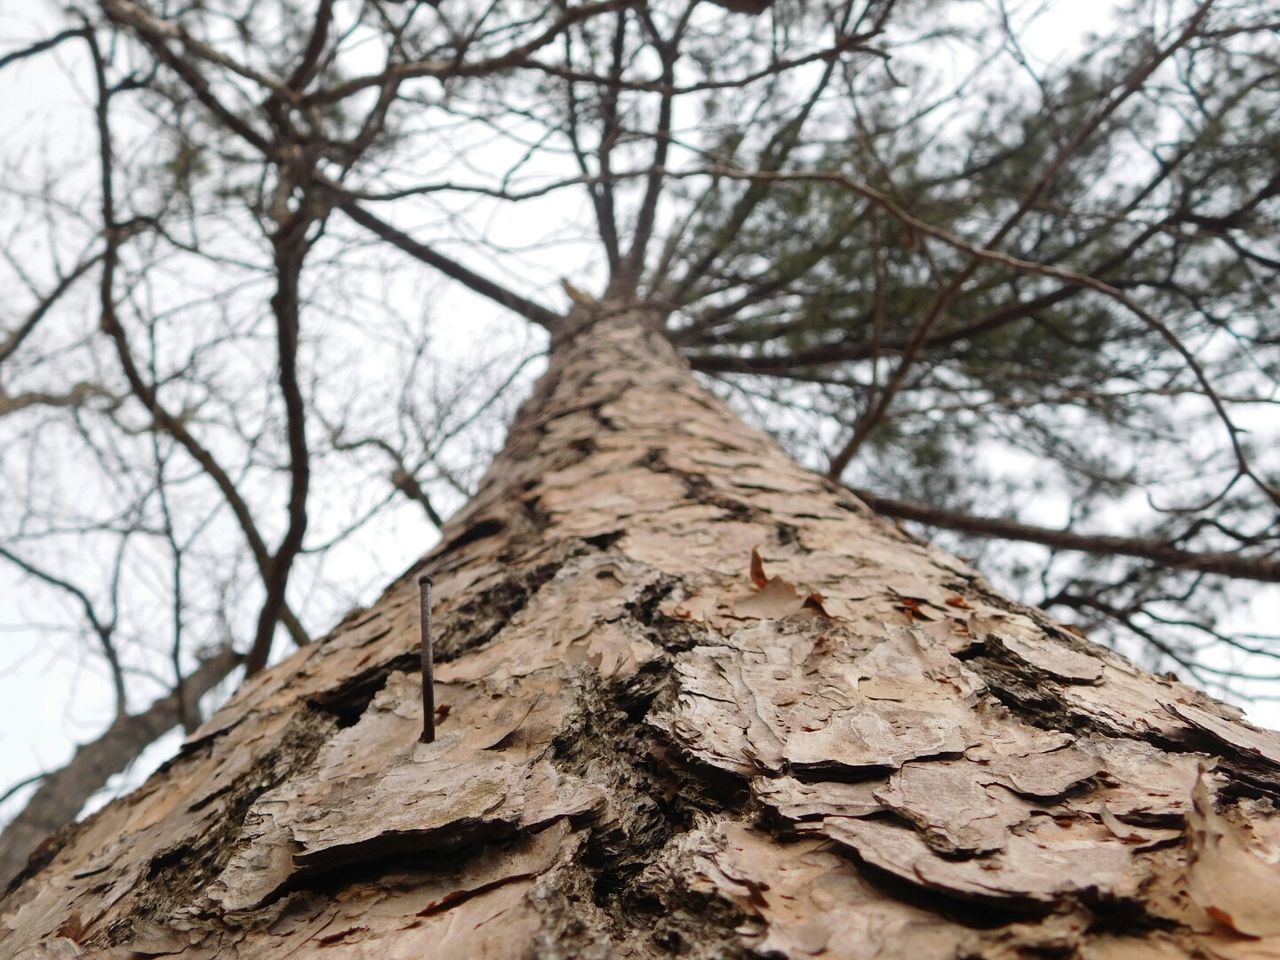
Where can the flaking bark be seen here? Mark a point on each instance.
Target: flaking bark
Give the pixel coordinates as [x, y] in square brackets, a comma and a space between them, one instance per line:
[63, 793]
[649, 745]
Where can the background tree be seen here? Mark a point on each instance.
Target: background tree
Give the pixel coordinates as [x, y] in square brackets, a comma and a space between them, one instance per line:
[964, 291]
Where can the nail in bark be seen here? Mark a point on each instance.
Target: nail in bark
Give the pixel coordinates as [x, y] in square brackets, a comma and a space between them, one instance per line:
[428, 669]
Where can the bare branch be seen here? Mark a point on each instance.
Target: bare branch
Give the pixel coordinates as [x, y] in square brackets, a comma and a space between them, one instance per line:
[1165, 554]
[533, 312]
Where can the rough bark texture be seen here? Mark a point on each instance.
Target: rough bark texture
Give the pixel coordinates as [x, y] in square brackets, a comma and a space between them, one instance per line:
[62, 794]
[693, 701]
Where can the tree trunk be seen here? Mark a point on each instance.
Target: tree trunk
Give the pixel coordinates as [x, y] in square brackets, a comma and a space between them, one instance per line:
[693, 701]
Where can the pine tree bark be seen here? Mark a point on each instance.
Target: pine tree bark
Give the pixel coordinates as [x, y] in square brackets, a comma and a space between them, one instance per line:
[692, 700]
[64, 792]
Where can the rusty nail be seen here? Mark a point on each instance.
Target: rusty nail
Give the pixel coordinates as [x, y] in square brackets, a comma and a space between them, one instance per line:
[428, 669]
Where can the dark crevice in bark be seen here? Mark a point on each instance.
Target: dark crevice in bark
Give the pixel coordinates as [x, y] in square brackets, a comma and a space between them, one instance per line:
[483, 616]
[597, 411]
[467, 833]
[409, 861]
[685, 923]
[679, 636]
[699, 785]
[1036, 699]
[1122, 916]
[653, 798]
[584, 447]
[347, 703]
[477, 530]
[603, 541]
[1245, 778]
[644, 609]
[1030, 696]
[636, 694]
[786, 533]
[532, 424]
[868, 773]
[534, 513]
[974, 913]
[978, 588]
[702, 786]
[700, 489]
[473, 625]
[1250, 787]
[653, 459]
[603, 746]
[655, 794]
[858, 509]
[658, 922]
[43, 854]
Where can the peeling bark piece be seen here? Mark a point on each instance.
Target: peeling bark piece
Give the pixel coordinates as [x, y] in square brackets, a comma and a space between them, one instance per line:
[1232, 882]
[696, 608]
[874, 738]
[619, 494]
[60, 949]
[809, 902]
[802, 506]
[530, 856]
[757, 573]
[791, 479]
[953, 813]
[796, 800]
[1012, 739]
[477, 905]
[1147, 786]
[953, 634]
[698, 542]
[376, 792]
[842, 709]
[1146, 836]
[1219, 947]
[1046, 775]
[1050, 656]
[908, 664]
[719, 717]
[576, 617]
[776, 600]
[1122, 704]
[1042, 864]
[424, 808]
[1241, 737]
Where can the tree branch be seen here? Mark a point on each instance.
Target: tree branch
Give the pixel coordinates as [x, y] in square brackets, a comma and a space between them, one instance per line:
[289, 244]
[40, 46]
[533, 312]
[999, 528]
